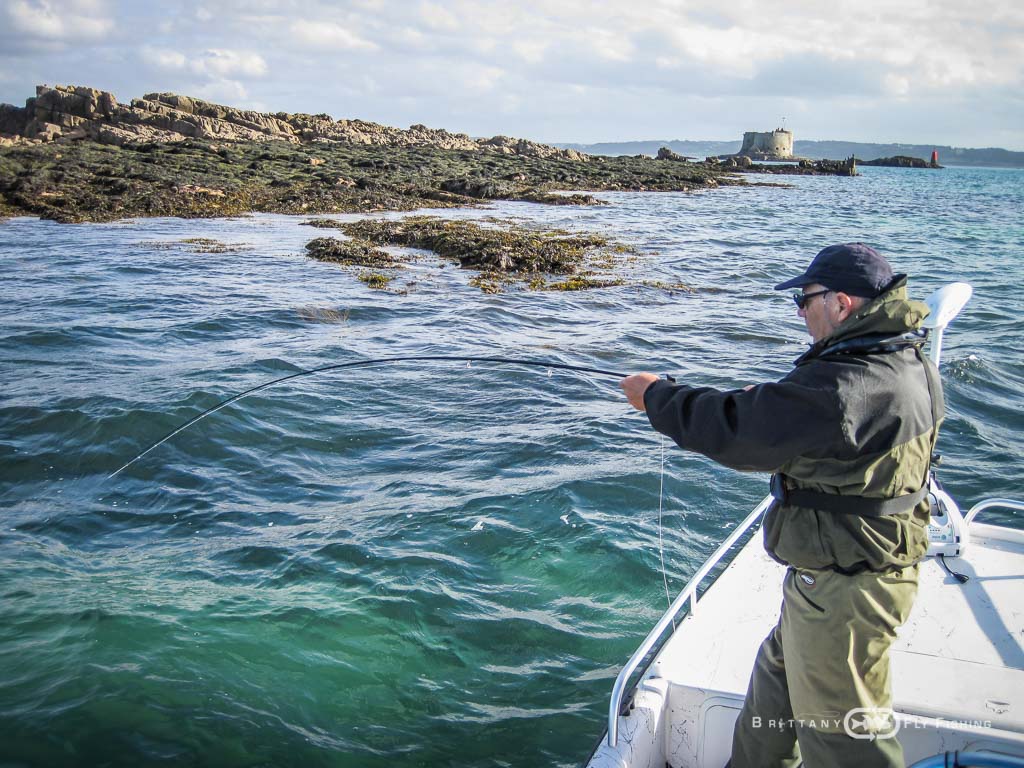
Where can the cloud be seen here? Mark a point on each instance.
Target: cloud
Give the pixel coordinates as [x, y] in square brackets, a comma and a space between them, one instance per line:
[530, 51]
[163, 58]
[329, 36]
[816, 76]
[436, 16]
[223, 91]
[54, 21]
[610, 44]
[732, 51]
[215, 63]
[410, 37]
[896, 85]
[482, 79]
[931, 44]
[222, 62]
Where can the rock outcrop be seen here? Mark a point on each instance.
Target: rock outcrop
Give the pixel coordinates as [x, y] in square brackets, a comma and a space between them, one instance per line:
[667, 154]
[900, 161]
[509, 146]
[76, 113]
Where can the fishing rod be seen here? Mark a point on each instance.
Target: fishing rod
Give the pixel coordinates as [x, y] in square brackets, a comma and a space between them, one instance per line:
[365, 364]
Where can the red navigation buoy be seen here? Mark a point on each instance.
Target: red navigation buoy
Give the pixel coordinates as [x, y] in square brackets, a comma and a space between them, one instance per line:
[935, 157]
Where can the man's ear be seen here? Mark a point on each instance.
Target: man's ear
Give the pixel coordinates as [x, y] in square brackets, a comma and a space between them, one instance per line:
[846, 303]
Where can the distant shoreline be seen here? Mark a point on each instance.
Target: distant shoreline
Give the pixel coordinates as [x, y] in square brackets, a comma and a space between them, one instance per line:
[989, 157]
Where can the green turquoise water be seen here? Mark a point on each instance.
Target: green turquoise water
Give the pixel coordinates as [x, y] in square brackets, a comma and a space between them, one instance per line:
[432, 564]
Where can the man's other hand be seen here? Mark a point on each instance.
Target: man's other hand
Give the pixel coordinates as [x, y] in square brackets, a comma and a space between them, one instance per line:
[634, 386]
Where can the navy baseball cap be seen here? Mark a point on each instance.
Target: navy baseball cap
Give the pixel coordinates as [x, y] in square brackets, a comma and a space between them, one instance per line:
[852, 268]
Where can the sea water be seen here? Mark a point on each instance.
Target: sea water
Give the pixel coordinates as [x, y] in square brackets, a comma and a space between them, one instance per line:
[416, 564]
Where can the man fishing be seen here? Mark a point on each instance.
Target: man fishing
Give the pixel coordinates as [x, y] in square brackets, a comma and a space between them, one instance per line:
[848, 435]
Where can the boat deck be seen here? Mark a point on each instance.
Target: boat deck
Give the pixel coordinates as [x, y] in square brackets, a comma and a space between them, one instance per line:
[958, 663]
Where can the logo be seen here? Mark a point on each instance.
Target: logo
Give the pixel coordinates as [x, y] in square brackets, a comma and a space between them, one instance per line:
[807, 579]
[871, 723]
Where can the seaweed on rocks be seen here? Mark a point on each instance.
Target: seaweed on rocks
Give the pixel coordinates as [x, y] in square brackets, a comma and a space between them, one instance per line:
[492, 282]
[88, 181]
[376, 268]
[670, 288]
[551, 198]
[209, 245]
[576, 283]
[511, 250]
[375, 280]
[314, 314]
[195, 245]
[353, 253]
[900, 161]
[804, 167]
[323, 223]
[504, 254]
[514, 189]
[481, 188]
[8, 211]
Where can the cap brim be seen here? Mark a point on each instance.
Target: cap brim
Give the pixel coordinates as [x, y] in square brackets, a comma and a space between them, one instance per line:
[796, 282]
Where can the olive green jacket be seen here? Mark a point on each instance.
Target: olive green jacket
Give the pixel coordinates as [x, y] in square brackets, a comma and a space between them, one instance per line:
[858, 424]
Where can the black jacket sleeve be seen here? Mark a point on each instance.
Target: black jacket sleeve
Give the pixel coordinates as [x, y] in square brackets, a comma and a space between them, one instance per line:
[760, 429]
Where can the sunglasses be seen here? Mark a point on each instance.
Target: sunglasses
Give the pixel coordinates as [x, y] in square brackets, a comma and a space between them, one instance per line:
[801, 299]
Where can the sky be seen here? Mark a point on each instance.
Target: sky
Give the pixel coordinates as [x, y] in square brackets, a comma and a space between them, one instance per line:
[910, 71]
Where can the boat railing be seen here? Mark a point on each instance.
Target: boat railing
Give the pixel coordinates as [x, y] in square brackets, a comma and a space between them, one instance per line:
[970, 760]
[689, 592]
[981, 506]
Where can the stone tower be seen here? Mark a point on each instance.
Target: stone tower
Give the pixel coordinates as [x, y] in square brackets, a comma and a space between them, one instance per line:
[774, 145]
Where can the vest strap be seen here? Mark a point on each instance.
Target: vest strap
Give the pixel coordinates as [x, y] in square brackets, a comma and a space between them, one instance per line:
[845, 505]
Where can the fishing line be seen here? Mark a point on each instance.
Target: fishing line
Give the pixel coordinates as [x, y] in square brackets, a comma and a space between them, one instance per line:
[661, 541]
[425, 358]
[364, 364]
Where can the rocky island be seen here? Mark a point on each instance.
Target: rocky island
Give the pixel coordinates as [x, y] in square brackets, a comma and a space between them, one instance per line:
[75, 154]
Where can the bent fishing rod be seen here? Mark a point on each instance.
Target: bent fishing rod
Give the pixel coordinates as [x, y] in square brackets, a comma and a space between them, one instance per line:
[364, 364]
